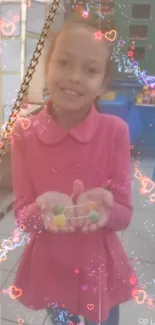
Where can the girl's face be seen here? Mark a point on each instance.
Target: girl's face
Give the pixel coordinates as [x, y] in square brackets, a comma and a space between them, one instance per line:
[76, 69]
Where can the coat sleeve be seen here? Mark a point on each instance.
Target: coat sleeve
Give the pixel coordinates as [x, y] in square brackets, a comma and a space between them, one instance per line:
[121, 182]
[27, 213]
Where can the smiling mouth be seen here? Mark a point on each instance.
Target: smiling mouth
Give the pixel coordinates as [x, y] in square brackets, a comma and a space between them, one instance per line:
[71, 92]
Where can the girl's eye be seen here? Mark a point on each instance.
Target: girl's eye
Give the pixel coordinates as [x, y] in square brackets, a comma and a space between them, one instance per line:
[92, 71]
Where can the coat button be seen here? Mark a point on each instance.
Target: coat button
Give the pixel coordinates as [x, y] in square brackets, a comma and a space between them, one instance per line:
[55, 169]
[77, 168]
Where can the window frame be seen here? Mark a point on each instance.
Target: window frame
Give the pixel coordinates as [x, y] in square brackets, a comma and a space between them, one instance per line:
[138, 38]
[140, 18]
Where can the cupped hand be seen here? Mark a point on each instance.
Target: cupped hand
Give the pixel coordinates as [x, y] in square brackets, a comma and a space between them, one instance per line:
[98, 200]
[47, 202]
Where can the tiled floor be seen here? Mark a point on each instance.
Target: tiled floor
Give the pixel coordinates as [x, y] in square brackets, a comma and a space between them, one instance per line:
[138, 241]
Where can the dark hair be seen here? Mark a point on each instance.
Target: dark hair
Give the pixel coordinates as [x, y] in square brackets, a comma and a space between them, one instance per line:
[92, 21]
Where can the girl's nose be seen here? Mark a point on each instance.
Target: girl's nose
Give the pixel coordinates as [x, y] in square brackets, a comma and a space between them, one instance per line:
[75, 75]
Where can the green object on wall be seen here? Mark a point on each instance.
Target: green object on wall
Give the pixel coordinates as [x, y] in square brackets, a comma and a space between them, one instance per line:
[135, 22]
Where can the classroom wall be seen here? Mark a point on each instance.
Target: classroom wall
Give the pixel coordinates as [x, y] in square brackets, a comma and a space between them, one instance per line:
[123, 18]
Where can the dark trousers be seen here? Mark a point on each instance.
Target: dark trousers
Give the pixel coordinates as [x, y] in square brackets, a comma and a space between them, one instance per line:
[60, 316]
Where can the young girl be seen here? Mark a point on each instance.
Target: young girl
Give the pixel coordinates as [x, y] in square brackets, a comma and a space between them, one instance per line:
[72, 182]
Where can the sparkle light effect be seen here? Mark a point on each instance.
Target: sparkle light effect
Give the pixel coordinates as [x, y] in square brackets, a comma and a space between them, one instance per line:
[2, 255]
[147, 185]
[84, 287]
[127, 62]
[123, 61]
[90, 306]
[76, 271]
[121, 43]
[16, 19]
[139, 296]
[62, 316]
[111, 35]
[7, 245]
[25, 123]
[8, 26]
[130, 53]
[98, 35]
[18, 239]
[20, 321]
[133, 279]
[85, 14]
[13, 292]
[150, 303]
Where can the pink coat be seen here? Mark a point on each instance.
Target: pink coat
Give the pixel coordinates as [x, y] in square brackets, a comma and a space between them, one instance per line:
[86, 273]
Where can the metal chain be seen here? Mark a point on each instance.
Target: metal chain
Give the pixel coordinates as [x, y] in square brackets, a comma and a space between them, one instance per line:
[8, 127]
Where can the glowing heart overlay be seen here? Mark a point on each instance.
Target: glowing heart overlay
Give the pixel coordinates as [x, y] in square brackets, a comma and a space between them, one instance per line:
[13, 292]
[90, 307]
[20, 321]
[139, 296]
[111, 36]
[8, 28]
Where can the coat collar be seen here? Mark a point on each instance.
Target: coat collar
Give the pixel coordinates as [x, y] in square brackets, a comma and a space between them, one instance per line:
[50, 133]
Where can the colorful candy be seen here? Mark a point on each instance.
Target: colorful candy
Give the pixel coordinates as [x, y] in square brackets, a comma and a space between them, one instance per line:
[93, 216]
[92, 206]
[59, 220]
[58, 209]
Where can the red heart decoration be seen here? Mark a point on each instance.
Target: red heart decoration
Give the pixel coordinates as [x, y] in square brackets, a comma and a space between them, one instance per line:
[22, 227]
[139, 296]
[25, 123]
[148, 185]
[7, 244]
[20, 321]
[8, 28]
[90, 306]
[15, 292]
[138, 174]
[111, 36]
[132, 280]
